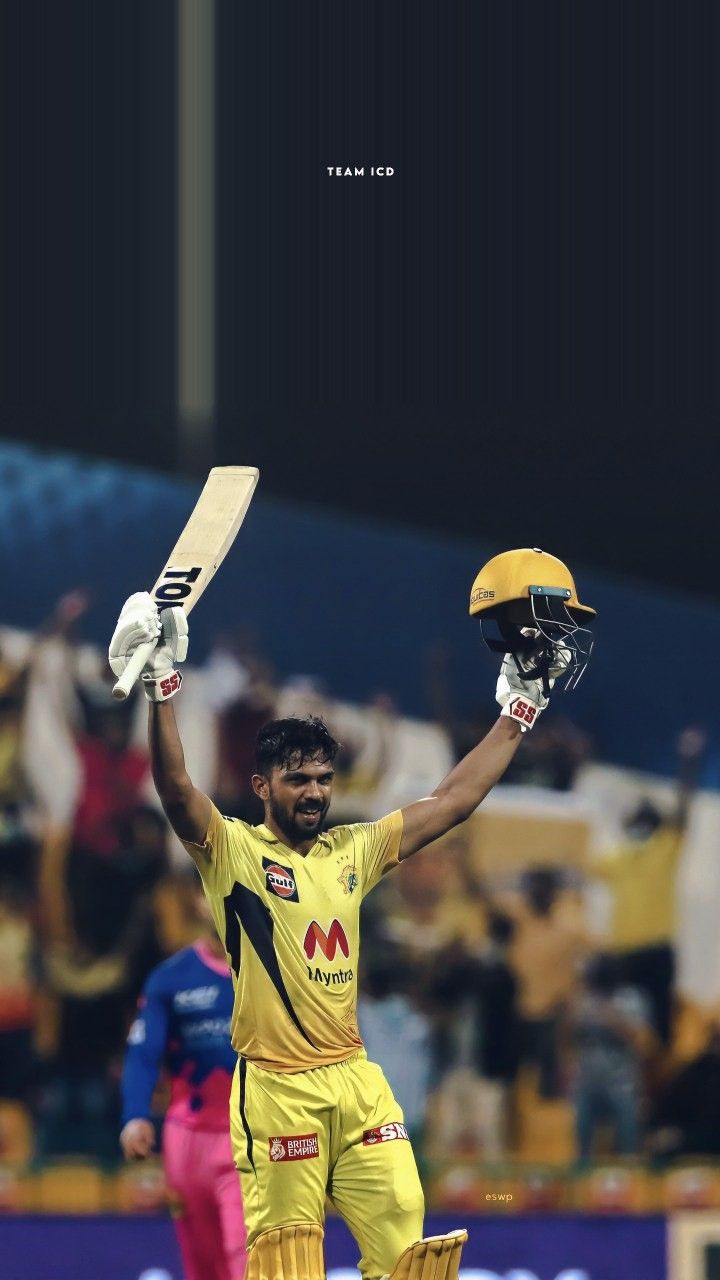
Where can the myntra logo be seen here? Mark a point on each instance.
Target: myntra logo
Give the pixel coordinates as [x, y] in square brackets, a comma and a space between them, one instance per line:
[327, 942]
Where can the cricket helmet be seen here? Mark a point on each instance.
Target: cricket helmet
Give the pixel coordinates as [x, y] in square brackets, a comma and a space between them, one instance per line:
[529, 598]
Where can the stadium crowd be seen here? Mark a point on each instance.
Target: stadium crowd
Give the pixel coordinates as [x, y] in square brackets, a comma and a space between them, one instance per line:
[486, 998]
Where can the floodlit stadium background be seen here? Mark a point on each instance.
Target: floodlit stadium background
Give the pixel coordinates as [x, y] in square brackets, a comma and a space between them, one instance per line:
[511, 341]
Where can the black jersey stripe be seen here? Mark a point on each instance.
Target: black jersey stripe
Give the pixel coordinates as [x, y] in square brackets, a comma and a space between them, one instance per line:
[243, 1116]
[232, 936]
[256, 919]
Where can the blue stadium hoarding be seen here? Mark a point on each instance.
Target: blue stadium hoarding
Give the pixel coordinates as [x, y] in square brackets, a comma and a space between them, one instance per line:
[518, 1248]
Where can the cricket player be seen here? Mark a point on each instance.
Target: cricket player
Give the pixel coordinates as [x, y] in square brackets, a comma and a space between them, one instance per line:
[310, 1116]
[183, 1024]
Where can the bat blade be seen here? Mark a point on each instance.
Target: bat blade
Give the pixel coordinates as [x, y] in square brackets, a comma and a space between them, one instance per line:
[198, 552]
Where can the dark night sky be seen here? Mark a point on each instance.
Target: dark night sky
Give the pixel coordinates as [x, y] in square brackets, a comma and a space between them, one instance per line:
[515, 337]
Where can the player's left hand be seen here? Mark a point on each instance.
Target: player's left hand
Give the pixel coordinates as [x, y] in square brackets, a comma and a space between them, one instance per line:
[524, 700]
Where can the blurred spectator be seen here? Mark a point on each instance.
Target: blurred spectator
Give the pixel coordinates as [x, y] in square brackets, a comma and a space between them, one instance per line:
[551, 756]
[364, 763]
[239, 722]
[113, 772]
[642, 876]
[610, 1035]
[549, 940]
[140, 873]
[18, 850]
[406, 757]
[474, 994]
[17, 992]
[77, 856]
[13, 683]
[304, 695]
[78, 1104]
[112, 899]
[93, 967]
[686, 1117]
[423, 906]
[396, 1035]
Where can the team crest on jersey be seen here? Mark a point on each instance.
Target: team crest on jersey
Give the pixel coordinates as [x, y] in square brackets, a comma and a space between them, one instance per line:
[348, 879]
[280, 880]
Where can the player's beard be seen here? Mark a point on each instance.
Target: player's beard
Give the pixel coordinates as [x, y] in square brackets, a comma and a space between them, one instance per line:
[293, 825]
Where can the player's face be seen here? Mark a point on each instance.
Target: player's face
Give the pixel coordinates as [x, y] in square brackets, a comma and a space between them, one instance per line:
[299, 797]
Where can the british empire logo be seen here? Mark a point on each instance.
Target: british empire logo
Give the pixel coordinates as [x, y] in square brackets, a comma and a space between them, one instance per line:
[303, 1147]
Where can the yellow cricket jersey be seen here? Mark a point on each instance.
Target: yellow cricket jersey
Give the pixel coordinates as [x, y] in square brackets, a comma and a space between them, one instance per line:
[291, 928]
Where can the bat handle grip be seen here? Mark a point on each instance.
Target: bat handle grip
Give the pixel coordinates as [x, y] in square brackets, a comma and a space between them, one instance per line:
[133, 669]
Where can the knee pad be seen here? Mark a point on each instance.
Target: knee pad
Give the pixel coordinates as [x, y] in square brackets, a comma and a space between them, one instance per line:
[435, 1258]
[288, 1253]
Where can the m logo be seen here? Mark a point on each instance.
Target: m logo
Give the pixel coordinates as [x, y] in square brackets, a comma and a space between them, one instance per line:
[327, 942]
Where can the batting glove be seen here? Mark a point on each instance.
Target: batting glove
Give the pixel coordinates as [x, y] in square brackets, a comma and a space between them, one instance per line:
[160, 679]
[521, 700]
[524, 700]
[139, 623]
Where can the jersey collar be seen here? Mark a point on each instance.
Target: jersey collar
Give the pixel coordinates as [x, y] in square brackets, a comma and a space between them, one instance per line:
[267, 835]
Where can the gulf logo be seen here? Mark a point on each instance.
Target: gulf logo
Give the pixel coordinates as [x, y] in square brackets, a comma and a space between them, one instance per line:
[280, 881]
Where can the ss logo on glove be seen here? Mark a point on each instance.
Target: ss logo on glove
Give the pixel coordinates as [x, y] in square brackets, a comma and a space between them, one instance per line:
[170, 684]
[522, 710]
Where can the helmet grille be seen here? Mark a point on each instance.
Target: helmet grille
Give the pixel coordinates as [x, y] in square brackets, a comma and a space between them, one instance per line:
[543, 637]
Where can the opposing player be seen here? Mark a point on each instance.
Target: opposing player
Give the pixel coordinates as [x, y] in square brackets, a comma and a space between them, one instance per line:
[309, 1114]
[183, 1024]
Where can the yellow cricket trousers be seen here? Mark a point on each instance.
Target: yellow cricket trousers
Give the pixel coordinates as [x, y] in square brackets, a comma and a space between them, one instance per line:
[333, 1131]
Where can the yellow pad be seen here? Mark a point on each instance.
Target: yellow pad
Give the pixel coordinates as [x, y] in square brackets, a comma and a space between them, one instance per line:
[288, 1253]
[434, 1258]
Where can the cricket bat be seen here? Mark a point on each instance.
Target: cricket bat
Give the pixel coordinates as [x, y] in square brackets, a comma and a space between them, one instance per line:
[198, 552]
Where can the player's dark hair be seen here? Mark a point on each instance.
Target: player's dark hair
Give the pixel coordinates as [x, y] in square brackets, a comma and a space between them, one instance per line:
[290, 743]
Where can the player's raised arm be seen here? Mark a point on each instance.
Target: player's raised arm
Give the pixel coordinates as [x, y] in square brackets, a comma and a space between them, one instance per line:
[531, 600]
[188, 809]
[466, 786]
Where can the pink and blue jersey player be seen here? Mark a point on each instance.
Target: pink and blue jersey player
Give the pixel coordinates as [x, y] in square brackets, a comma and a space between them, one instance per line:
[183, 1027]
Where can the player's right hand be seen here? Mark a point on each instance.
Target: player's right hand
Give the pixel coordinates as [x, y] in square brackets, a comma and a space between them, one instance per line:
[160, 679]
[139, 623]
[138, 1139]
